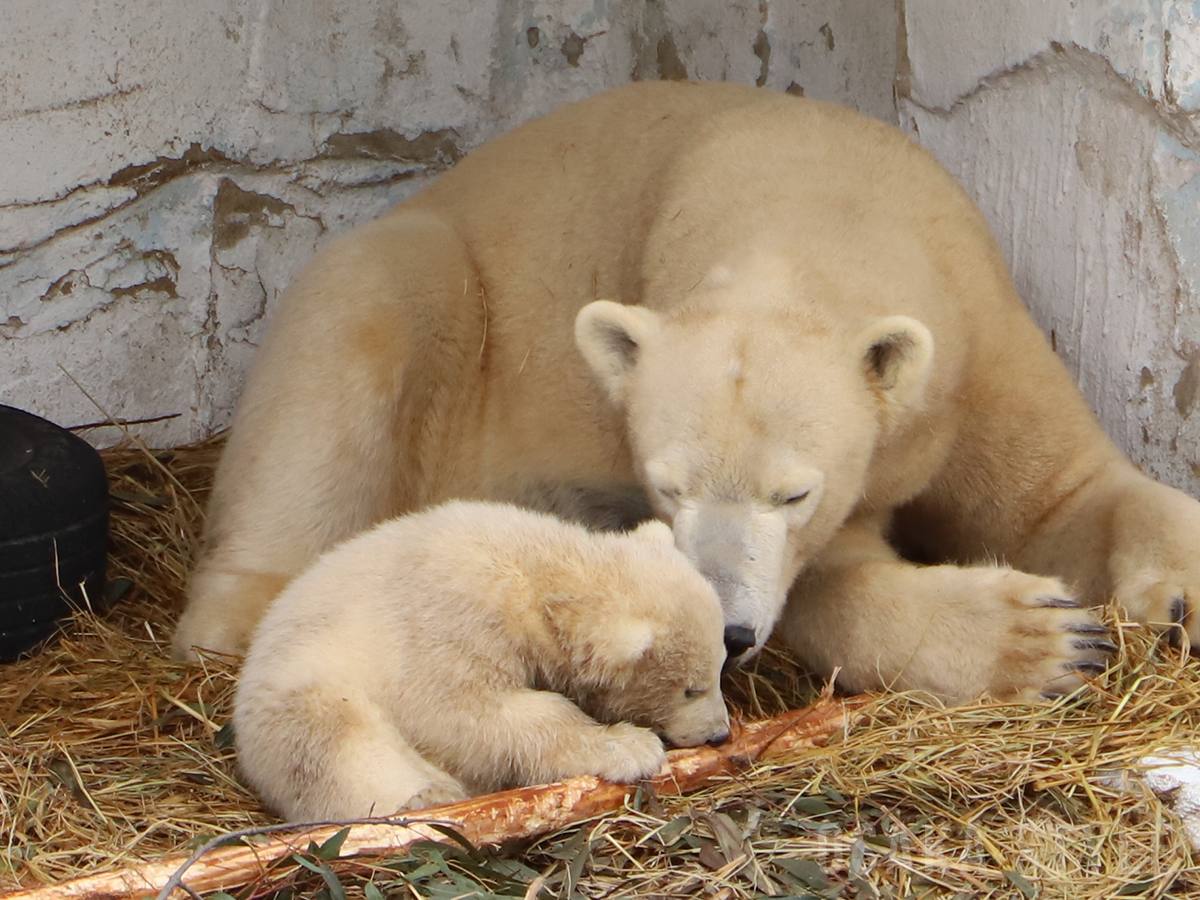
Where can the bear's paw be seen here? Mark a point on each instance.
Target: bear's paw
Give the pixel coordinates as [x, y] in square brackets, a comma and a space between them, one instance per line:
[629, 753]
[435, 794]
[1042, 644]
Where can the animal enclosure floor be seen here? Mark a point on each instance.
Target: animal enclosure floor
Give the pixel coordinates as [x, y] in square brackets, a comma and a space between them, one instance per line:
[112, 755]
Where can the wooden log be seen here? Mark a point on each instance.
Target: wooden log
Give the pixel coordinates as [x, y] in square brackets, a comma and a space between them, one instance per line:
[490, 819]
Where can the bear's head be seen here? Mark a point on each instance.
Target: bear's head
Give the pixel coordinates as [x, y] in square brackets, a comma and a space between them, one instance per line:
[651, 650]
[752, 422]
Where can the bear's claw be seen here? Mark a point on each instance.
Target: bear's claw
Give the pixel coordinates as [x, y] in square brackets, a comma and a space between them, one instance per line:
[1094, 644]
[1059, 603]
[1179, 611]
[1087, 667]
[1179, 616]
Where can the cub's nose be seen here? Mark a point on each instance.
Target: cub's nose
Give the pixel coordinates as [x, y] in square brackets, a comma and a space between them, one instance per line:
[738, 639]
[717, 740]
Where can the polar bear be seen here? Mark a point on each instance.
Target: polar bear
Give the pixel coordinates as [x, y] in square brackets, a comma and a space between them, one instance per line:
[474, 647]
[782, 325]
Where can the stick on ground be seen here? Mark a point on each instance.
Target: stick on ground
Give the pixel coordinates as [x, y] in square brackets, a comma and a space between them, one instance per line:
[491, 819]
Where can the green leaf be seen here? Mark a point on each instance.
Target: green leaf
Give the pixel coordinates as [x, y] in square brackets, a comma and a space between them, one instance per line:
[581, 849]
[332, 848]
[423, 871]
[219, 895]
[805, 871]
[832, 794]
[812, 806]
[372, 892]
[1136, 887]
[1021, 883]
[670, 832]
[117, 588]
[332, 882]
[456, 837]
[858, 852]
[223, 739]
[434, 850]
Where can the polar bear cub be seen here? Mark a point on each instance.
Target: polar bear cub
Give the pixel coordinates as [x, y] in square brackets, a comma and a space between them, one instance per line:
[473, 647]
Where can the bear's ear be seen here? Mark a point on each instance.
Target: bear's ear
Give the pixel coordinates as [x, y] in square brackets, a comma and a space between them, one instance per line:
[611, 337]
[654, 532]
[897, 355]
[612, 645]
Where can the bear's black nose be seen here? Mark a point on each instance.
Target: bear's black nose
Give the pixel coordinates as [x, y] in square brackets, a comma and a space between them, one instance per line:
[738, 639]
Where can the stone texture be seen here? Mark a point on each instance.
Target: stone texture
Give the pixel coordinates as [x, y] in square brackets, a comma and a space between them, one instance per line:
[169, 167]
[1072, 125]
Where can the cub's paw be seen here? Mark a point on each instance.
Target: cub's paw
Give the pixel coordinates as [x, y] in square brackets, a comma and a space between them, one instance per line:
[631, 753]
[1044, 644]
[435, 794]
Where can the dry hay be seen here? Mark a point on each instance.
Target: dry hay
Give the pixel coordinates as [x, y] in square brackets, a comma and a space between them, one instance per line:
[112, 755]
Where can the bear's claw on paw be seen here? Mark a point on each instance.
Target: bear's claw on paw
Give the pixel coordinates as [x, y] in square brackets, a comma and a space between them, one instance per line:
[1058, 603]
[1087, 667]
[1094, 644]
[1178, 610]
[1179, 616]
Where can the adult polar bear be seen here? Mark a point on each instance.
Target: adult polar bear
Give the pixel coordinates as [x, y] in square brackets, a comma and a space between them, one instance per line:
[816, 356]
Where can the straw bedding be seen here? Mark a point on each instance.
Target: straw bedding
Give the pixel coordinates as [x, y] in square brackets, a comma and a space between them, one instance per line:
[111, 755]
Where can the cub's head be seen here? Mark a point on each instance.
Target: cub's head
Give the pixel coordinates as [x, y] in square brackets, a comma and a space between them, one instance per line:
[651, 652]
[752, 424]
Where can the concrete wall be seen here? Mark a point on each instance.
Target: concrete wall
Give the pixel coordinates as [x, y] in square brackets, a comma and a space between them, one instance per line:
[168, 167]
[1073, 124]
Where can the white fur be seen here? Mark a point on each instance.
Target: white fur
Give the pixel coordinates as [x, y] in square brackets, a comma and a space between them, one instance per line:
[450, 652]
[804, 298]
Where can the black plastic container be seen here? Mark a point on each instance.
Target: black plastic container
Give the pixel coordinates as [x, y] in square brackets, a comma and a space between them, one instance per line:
[53, 528]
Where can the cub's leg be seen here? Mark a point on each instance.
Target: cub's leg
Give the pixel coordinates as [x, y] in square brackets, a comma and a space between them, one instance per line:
[317, 754]
[533, 737]
[956, 632]
[317, 450]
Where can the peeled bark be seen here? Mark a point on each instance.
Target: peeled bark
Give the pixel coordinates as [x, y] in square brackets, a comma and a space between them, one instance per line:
[490, 819]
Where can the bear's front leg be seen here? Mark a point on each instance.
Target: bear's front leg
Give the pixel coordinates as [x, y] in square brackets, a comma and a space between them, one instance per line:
[954, 631]
[539, 736]
[1135, 541]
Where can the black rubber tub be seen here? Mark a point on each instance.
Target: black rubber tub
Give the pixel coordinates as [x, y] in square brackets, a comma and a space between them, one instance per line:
[53, 529]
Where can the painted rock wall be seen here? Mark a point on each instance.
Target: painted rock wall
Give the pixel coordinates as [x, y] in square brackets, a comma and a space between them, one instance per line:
[1074, 126]
[165, 169]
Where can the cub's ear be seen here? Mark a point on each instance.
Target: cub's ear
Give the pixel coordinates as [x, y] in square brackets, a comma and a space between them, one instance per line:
[610, 646]
[897, 355]
[611, 337]
[654, 532]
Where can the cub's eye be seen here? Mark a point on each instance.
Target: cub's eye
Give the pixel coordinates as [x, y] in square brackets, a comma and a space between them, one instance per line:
[670, 493]
[784, 499]
[694, 693]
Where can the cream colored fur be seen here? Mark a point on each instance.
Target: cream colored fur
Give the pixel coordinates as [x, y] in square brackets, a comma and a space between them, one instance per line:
[815, 357]
[471, 648]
